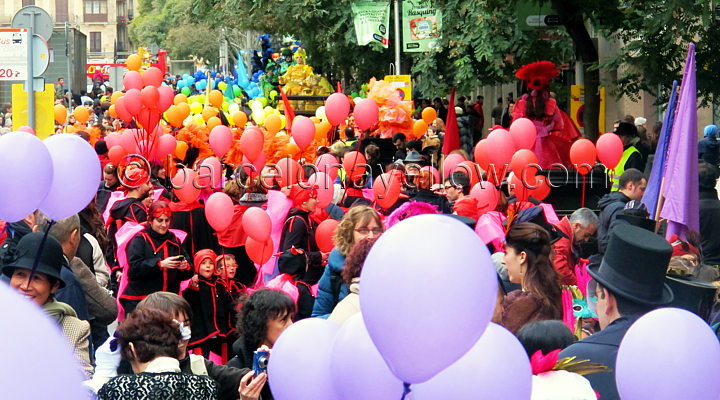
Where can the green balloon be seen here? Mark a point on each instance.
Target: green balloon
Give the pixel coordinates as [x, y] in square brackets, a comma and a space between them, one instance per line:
[185, 91]
[354, 95]
[237, 91]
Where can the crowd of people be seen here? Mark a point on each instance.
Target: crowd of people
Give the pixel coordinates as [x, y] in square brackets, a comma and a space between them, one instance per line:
[195, 310]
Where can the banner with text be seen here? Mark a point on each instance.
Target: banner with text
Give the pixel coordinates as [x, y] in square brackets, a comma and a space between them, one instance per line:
[422, 24]
[372, 19]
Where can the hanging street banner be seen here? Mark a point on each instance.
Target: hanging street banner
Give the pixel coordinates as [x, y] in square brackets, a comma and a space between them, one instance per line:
[372, 19]
[422, 23]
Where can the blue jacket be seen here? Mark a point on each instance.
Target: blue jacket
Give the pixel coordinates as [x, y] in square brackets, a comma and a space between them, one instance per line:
[324, 302]
[73, 294]
[602, 348]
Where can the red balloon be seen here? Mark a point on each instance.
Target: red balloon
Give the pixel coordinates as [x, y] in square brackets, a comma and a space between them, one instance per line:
[256, 223]
[122, 111]
[480, 153]
[328, 164]
[152, 77]
[386, 189]
[220, 140]
[523, 133]
[609, 150]
[166, 145]
[500, 148]
[366, 113]
[253, 168]
[184, 185]
[303, 131]
[582, 155]
[133, 101]
[148, 119]
[354, 164]
[325, 188]
[132, 80]
[325, 235]
[542, 188]
[259, 252]
[521, 164]
[219, 211]
[150, 97]
[470, 169]
[487, 196]
[289, 172]
[251, 143]
[166, 96]
[337, 108]
[450, 162]
[519, 189]
[116, 153]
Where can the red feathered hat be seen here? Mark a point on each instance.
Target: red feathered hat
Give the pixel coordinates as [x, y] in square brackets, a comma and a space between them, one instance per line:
[538, 74]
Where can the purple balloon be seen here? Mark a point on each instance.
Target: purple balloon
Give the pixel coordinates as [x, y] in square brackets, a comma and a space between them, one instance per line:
[496, 367]
[76, 176]
[668, 354]
[420, 334]
[38, 351]
[358, 370]
[26, 172]
[299, 365]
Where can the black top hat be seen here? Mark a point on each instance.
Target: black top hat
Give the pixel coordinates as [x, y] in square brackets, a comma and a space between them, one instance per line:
[50, 260]
[634, 266]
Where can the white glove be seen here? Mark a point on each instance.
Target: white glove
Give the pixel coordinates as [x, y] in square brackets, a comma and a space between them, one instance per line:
[106, 359]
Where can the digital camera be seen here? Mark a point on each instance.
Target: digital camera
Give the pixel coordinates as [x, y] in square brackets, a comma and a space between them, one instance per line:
[260, 361]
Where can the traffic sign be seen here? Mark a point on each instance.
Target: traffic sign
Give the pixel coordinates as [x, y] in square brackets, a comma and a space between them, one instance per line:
[41, 55]
[43, 24]
[13, 54]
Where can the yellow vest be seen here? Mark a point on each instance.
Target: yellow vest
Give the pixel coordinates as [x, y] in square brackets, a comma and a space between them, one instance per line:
[620, 168]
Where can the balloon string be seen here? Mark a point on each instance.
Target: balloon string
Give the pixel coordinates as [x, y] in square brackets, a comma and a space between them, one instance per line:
[582, 201]
[39, 251]
[406, 390]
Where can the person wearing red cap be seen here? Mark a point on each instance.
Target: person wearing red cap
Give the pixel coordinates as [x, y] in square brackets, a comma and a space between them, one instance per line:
[299, 230]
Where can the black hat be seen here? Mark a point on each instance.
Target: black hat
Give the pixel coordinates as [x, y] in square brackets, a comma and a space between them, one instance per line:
[634, 266]
[293, 262]
[536, 215]
[51, 258]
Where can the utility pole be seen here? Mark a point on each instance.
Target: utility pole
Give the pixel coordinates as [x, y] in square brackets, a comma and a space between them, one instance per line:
[398, 52]
[68, 55]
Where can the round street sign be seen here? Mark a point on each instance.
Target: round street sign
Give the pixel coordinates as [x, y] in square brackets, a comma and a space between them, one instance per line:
[41, 55]
[43, 23]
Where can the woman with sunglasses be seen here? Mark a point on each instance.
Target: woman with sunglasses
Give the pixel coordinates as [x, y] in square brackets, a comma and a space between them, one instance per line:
[359, 223]
[156, 259]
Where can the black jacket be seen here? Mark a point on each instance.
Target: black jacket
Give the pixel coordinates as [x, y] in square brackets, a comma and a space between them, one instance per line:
[244, 359]
[635, 160]
[103, 196]
[710, 226]
[602, 347]
[212, 309]
[610, 206]
[145, 276]
[127, 210]
[299, 231]
[427, 196]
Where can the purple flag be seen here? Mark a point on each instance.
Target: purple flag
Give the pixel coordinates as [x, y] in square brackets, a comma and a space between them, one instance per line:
[681, 172]
[652, 193]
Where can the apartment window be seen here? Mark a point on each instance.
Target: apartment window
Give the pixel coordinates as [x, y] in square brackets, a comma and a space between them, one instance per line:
[61, 10]
[95, 42]
[95, 10]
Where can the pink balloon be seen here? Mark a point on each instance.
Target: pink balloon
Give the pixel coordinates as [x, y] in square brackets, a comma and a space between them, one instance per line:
[132, 80]
[152, 77]
[255, 167]
[210, 173]
[150, 97]
[486, 195]
[122, 111]
[184, 185]
[609, 149]
[132, 101]
[112, 139]
[354, 164]
[337, 108]
[450, 163]
[220, 140]
[219, 210]
[325, 188]
[497, 133]
[289, 171]
[328, 164]
[256, 224]
[366, 113]
[165, 98]
[303, 131]
[500, 148]
[26, 129]
[251, 143]
[128, 140]
[148, 149]
[434, 173]
[166, 145]
[523, 133]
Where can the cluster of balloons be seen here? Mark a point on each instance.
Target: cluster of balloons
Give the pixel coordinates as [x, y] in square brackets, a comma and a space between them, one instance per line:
[61, 180]
[152, 144]
[608, 150]
[364, 359]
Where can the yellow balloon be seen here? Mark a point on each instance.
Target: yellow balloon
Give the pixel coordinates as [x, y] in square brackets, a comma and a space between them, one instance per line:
[196, 108]
[258, 116]
[268, 110]
[320, 112]
[282, 121]
[198, 119]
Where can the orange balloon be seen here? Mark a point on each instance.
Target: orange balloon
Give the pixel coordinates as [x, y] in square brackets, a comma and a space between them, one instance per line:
[111, 111]
[208, 113]
[428, 115]
[133, 62]
[420, 128]
[173, 116]
[322, 129]
[60, 113]
[213, 122]
[291, 149]
[81, 115]
[180, 98]
[315, 120]
[239, 118]
[273, 123]
[181, 149]
[183, 109]
[216, 98]
[116, 95]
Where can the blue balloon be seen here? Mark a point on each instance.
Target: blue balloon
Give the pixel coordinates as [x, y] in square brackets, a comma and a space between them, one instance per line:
[213, 74]
[190, 80]
[185, 75]
[198, 85]
[180, 84]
